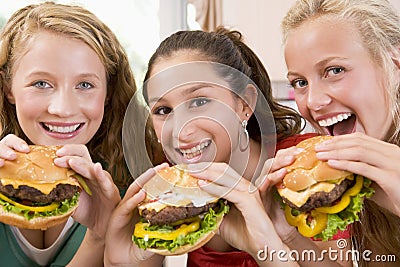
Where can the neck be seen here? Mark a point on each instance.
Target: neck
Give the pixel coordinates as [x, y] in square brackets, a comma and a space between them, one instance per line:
[248, 163]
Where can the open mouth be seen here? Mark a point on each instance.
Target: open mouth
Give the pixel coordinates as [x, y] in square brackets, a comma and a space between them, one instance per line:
[194, 151]
[340, 124]
[61, 129]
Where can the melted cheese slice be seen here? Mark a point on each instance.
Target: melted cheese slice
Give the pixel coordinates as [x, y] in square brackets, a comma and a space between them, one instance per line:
[157, 206]
[36, 169]
[299, 198]
[174, 186]
[44, 187]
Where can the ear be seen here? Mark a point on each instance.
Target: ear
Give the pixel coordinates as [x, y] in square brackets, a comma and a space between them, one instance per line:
[7, 89]
[249, 99]
[395, 54]
[9, 96]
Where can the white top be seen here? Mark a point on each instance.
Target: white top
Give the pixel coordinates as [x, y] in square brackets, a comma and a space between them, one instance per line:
[41, 256]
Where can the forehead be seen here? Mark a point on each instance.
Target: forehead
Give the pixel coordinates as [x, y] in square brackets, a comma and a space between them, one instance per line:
[197, 73]
[324, 35]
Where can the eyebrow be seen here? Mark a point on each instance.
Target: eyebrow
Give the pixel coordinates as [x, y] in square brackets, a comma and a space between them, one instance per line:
[186, 91]
[46, 73]
[318, 65]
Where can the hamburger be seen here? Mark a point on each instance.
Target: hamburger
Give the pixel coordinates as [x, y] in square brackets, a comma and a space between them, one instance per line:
[177, 216]
[35, 193]
[320, 200]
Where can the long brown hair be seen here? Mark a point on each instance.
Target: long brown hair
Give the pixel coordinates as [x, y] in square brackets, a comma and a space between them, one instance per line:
[379, 27]
[72, 22]
[227, 47]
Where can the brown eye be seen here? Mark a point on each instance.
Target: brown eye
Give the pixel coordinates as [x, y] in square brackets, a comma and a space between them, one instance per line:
[162, 111]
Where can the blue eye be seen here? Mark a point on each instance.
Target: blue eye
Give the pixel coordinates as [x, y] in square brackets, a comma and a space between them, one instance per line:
[296, 84]
[198, 102]
[41, 84]
[85, 85]
[334, 71]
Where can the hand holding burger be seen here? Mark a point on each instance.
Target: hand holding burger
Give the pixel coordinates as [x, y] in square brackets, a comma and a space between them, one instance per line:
[177, 216]
[34, 192]
[318, 199]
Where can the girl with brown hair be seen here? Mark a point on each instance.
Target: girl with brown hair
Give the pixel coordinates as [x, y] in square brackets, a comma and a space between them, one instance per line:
[210, 101]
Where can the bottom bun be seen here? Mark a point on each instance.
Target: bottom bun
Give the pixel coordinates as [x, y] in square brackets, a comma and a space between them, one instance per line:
[36, 223]
[188, 248]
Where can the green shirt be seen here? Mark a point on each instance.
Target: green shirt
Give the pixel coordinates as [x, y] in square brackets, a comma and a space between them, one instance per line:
[11, 255]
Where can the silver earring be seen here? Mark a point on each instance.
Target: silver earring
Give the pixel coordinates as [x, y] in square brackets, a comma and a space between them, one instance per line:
[158, 141]
[244, 133]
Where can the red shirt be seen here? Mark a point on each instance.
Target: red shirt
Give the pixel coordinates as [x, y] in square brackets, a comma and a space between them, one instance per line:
[206, 257]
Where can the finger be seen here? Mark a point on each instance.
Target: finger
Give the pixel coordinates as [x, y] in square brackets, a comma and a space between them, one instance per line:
[272, 179]
[10, 143]
[74, 150]
[127, 207]
[123, 215]
[348, 141]
[81, 165]
[358, 154]
[283, 158]
[105, 181]
[219, 191]
[16, 143]
[7, 153]
[360, 168]
[220, 173]
[142, 179]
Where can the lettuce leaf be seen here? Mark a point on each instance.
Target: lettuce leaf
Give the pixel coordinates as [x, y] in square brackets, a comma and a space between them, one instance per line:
[64, 207]
[207, 224]
[349, 215]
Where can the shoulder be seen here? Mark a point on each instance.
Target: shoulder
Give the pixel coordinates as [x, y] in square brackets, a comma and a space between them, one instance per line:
[293, 140]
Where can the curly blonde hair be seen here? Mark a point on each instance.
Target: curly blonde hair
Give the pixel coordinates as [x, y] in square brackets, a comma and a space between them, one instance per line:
[78, 23]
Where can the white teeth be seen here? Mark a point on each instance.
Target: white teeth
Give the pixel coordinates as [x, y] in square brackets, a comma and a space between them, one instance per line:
[62, 129]
[333, 120]
[195, 151]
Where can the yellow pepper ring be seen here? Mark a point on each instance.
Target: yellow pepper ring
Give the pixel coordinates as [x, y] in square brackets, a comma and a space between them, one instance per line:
[184, 229]
[316, 225]
[345, 200]
[50, 207]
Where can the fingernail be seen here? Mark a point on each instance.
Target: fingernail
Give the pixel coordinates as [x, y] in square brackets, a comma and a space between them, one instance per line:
[323, 144]
[11, 154]
[298, 150]
[24, 147]
[60, 152]
[202, 183]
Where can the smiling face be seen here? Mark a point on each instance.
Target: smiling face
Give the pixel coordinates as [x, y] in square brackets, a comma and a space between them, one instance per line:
[59, 88]
[195, 121]
[338, 87]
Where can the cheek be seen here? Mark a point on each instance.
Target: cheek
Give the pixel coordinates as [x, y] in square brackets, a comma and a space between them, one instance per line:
[27, 108]
[94, 107]
[301, 103]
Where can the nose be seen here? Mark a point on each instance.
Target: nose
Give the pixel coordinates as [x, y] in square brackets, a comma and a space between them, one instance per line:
[63, 103]
[182, 127]
[317, 96]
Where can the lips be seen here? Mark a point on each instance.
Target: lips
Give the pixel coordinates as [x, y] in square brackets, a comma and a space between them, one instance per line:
[195, 150]
[343, 123]
[61, 128]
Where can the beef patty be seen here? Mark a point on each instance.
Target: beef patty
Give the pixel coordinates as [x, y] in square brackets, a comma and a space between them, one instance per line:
[23, 192]
[320, 199]
[172, 214]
